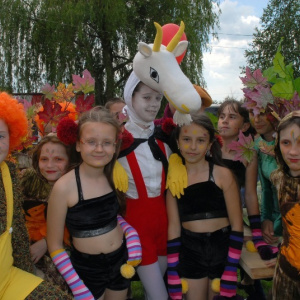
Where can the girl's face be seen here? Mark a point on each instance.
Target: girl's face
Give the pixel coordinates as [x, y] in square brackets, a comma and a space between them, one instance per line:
[53, 161]
[290, 148]
[4, 140]
[97, 143]
[146, 103]
[261, 123]
[230, 123]
[193, 142]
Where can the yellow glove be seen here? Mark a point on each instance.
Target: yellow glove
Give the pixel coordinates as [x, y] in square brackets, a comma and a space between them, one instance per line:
[177, 176]
[120, 177]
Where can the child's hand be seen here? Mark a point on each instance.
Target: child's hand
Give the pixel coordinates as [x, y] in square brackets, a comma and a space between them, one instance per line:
[270, 263]
[38, 250]
[268, 232]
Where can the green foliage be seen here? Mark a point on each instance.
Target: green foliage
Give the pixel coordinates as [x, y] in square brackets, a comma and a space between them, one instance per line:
[213, 118]
[49, 40]
[281, 76]
[281, 19]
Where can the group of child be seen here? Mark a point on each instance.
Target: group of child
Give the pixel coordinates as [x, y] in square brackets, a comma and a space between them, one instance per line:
[194, 232]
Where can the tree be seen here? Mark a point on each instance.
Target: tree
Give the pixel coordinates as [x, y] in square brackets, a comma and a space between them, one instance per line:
[281, 19]
[49, 40]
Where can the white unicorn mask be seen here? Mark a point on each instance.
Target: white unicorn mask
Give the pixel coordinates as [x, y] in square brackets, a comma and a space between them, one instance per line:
[156, 66]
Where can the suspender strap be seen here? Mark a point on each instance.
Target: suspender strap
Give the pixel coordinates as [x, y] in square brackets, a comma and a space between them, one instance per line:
[137, 174]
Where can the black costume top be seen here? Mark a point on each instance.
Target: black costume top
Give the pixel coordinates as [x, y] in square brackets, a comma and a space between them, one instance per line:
[94, 216]
[202, 200]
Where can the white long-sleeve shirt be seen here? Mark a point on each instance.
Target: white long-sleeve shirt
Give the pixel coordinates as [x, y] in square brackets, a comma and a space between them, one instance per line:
[151, 168]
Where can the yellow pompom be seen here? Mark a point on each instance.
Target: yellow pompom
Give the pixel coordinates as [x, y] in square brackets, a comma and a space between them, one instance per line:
[215, 285]
[184, 285]
[250, 246]
[127, 271]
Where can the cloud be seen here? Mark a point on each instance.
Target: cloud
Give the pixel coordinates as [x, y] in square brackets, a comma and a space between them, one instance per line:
[222, 64]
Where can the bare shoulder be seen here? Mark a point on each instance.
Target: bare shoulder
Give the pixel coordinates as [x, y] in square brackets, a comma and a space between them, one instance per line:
[223, 176]
[220, 172]
[66, 183]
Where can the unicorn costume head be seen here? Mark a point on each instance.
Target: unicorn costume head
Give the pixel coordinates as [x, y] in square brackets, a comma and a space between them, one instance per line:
[156, 66]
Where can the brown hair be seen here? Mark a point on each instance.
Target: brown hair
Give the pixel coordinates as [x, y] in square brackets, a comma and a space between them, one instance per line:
[237, 107]
[112, 101]
[289, 120]
[99, 114]
[36, 153]
[204, 121]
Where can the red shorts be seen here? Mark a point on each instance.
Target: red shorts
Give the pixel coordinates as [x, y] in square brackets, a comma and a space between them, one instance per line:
[149, 217]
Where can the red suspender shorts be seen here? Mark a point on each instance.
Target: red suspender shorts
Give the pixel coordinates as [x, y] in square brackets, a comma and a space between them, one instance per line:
[148, 215]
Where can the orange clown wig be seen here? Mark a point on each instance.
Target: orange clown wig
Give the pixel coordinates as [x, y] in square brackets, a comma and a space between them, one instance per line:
[13, 114]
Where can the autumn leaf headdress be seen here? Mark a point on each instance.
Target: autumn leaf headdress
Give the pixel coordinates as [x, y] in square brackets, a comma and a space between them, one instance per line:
[66, 102]
[274, 91]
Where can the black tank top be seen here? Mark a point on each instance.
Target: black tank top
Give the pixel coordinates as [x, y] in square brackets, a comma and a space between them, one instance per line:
[202, 200]
[94, 216]
[238, 169]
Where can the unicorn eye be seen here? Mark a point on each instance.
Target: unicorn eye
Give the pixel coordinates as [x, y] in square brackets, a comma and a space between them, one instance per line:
[154, 75]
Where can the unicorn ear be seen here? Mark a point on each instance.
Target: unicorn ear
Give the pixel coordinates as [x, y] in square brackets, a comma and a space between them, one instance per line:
[145, 49]
[180, 48]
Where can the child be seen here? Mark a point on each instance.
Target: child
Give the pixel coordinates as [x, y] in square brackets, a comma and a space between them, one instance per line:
[264, 145]
[234, 118]
[286, 282]
[86, 201]
[115, 106]
[206, 220]
[15, 263]
[50, 159]
[145, 160]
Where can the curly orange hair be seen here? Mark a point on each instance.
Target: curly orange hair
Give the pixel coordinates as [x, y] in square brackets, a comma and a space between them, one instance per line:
[13, 114]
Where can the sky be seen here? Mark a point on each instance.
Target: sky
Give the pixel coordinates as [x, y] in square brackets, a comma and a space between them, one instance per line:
[222, 65]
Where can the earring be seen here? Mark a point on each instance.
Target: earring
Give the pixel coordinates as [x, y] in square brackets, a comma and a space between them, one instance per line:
[208, 154]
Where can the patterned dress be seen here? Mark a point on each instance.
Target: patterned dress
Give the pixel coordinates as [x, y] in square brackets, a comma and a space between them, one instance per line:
[36, 193]
[286, 284]
[20, 241]
[269, 201]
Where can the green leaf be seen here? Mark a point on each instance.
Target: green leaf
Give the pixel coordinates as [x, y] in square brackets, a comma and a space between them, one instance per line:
[289, 71]
[213, 118]
[283, 89]
[297, 85]
[279, 65]
[270, 74]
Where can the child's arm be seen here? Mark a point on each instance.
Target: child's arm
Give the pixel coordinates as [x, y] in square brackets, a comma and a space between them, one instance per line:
[133, 243]
[173, 246]
[267, 209]
[56, 216]
[226, 181]
[250, 187]
[265, 251]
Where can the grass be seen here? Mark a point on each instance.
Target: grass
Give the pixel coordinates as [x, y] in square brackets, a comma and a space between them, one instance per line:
[138, 292]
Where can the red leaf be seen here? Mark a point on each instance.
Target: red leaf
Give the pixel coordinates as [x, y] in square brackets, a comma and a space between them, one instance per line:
[86, 104]
[52, 113]
[36, 99]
